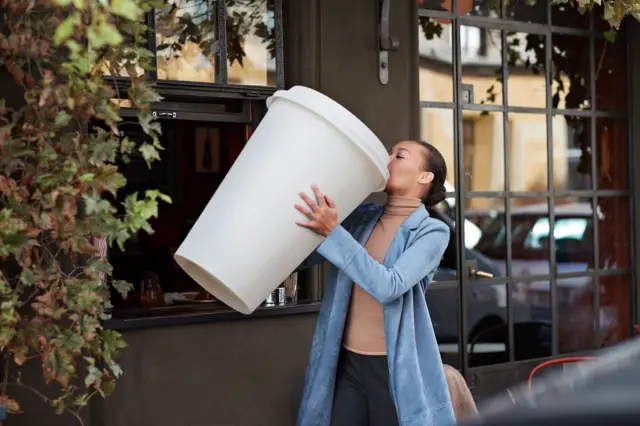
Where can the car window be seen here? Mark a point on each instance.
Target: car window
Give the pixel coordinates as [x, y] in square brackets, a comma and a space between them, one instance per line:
[530, 237]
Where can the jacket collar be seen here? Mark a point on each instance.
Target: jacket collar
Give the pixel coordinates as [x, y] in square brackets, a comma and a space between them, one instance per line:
[416, 218]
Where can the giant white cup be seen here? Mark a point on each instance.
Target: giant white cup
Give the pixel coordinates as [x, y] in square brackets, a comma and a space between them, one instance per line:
[245, 243]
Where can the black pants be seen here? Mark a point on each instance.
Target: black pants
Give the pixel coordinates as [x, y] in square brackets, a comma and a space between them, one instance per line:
[362, 396]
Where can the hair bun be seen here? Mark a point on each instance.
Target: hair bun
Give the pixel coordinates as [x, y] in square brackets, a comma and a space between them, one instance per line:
[436, 195]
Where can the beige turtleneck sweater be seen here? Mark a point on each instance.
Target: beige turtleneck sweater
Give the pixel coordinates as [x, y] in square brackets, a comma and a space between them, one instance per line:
[364, 331]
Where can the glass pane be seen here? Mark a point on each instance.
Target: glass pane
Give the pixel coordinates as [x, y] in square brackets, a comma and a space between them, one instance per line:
[566, 15]
[186, 34]
[570, 72]
[612, 154]
[573, 234]
[486, 8]
[575, 314]
[528, 152]
[448, 269]
[527, 11]
[613, 231]
[483, 151]
[615, 310]
[485, 236]
[487, 330]
[443, 301]
[436, 127]
[439, 5]
[532, 319]
[124, 61]
[251, 42]
[436, 60]
[611, 74]
[529, 237]
[481, 54]
[571, 153]
[527, 86]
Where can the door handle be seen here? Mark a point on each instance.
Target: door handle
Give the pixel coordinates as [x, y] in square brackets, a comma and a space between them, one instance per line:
[475, 273]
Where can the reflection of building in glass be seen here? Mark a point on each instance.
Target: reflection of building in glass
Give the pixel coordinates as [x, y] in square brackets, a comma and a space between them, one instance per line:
[249, 28]
[483, 133]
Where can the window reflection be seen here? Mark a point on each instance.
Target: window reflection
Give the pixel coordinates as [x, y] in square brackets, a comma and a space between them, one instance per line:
[527, 152]
[611, 153]
[532, 319]
[611, 74]
[526, 61]
[573, 235]
[613, 226]
[488, 248]
[572, 153]
[570, 73]
[186, 40]
[251, 42]
[436, 127]
[615, 311]
[575, 314]
[481, 54]
[483, 136]
[529, 237]
[528, 11]
[565, 15]
[436, 60]
[487, 329]
[188, 46]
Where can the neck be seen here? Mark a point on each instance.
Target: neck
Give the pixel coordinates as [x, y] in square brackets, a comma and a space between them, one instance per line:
[400, 205]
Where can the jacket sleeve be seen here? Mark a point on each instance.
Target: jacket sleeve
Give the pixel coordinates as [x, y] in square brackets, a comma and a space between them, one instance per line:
[383, 283]
[316, 258]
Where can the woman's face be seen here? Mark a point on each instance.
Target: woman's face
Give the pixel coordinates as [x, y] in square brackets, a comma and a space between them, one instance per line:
[408, 177]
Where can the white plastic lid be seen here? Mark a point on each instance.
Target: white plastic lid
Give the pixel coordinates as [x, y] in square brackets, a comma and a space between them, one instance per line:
[343, 120]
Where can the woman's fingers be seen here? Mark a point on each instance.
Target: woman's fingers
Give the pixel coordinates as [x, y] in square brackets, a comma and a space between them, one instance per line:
[309, 201]
[319, 195]
[330, 202]
[304, 211]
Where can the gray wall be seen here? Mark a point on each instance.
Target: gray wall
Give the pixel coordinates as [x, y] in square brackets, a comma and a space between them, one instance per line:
[236, 373]
[331, 45]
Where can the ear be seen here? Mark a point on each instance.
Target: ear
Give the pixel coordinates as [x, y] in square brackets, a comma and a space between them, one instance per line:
[426, 178]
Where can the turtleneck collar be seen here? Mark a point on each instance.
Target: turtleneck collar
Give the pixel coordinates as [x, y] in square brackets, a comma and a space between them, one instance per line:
[401, 206]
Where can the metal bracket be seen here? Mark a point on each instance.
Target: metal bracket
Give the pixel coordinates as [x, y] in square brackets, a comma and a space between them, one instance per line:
[467, 93]
[386, 43]
[165, 114]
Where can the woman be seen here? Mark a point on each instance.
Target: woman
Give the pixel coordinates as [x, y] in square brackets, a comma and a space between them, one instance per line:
[374, 359]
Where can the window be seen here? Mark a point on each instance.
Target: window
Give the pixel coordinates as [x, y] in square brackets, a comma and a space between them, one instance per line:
[228, 42]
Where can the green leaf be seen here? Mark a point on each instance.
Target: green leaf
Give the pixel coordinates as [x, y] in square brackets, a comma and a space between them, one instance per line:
[66, 28]
[103, 34]
[149, 153]
[610, 35]
[87, 177]
[27, 277]
[62, 119]
[608, 11]
[127, 9]
[122, 287]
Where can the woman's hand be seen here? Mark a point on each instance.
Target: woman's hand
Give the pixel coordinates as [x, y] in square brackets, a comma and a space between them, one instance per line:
[323, 216]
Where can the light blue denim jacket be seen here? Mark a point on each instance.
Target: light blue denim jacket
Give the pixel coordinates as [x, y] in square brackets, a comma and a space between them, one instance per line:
[416, 376]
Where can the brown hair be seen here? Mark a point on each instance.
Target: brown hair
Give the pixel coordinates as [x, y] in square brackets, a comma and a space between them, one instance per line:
[436, 164]
[461, 398]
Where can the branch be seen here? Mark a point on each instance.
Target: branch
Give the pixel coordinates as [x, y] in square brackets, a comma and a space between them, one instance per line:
[74, 413]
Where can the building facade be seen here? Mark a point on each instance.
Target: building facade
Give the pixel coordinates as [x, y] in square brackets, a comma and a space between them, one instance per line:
[534, 107]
